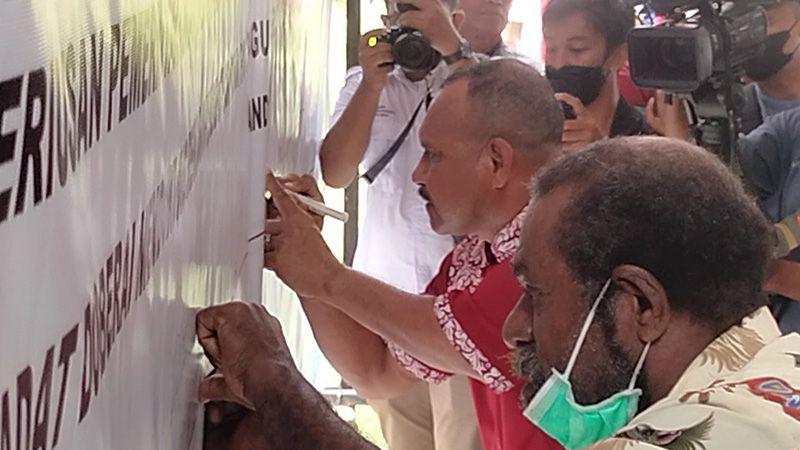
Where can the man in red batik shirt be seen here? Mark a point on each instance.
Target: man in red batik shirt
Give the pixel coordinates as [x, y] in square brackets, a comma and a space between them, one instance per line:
[493, 125]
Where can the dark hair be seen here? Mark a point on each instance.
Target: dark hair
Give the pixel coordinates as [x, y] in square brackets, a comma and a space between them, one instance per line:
[513, 101]
[611, 18]
[671, 208]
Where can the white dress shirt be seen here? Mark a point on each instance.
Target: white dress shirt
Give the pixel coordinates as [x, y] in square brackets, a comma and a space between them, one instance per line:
[396, 243]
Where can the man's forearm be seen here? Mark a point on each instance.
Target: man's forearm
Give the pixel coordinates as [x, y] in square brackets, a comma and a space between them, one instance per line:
[345, 144]
[358, 354]
[294, 416]
[405, 319]
[783, 278]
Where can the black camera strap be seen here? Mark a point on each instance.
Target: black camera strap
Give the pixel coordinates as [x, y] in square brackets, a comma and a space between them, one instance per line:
[376, 169]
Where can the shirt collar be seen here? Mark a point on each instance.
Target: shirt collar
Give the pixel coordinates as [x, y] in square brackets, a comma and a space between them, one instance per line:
[729, 352]
[505, 243]
[770, 106]
[473, 254]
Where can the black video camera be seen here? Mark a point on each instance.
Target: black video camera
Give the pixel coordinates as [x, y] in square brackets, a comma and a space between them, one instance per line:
[700, 41]
[699, 52]
[411, 50]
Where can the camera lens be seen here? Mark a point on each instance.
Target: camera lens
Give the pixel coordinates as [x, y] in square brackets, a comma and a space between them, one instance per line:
[677, 54]
[412, 51]
[669, 60]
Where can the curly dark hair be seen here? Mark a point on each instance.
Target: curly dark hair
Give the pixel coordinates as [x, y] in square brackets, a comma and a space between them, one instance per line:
[671, 208]
[611, 18]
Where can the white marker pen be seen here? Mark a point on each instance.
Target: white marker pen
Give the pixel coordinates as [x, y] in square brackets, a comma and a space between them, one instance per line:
[318, 207]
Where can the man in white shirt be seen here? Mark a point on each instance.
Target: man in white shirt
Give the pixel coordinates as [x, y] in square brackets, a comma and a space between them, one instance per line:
[396, 243]
[484, 24]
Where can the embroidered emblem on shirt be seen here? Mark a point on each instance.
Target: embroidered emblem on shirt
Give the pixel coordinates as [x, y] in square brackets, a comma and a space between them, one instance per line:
[384, 111]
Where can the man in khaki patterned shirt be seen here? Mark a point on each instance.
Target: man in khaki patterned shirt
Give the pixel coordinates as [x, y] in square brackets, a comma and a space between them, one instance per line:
[741, 392]
[682, 250]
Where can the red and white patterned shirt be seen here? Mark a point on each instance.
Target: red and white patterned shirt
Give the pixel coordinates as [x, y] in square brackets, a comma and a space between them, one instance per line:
[475, 291]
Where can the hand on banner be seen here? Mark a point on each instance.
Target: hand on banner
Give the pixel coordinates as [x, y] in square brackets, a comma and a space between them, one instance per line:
[246, 345]
[303, 184]
[583, 129]
[375, 60]
[294, 248]
[434, 21]
[667, 118]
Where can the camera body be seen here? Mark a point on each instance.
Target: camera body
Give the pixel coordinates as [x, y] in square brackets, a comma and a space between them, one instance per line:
[411, 50]
[699, 53]
[700, 42]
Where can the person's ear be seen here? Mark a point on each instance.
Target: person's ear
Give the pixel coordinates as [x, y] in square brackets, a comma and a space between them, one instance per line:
[617, 58]
[643, 301]
[458, 17]
[501, 157]
[793, 43]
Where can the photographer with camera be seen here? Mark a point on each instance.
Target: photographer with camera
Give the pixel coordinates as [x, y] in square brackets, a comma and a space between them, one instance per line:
[585, 46]
[376, 122]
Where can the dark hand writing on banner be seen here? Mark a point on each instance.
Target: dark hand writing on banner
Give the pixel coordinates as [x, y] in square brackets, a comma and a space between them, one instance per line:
[247, 345]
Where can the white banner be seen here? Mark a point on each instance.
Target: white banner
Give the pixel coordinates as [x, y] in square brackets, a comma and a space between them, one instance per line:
[133, 140]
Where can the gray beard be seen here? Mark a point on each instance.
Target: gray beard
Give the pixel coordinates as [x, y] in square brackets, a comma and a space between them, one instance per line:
[613, 377]
[526, 366]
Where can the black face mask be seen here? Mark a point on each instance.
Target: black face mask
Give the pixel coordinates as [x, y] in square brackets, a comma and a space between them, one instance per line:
[772, 59]
[581, 82]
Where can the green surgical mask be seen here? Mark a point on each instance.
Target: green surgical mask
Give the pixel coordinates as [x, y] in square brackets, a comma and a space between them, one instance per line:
[555, 411]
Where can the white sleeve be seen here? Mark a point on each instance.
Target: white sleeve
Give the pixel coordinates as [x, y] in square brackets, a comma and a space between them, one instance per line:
[352, 80]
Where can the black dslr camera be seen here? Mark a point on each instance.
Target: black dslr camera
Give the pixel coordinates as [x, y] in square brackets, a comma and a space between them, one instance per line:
[411, 50]
[699, 51]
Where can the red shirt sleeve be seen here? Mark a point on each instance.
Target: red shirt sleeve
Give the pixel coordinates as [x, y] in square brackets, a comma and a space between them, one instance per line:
[473, 322]
[437, 286]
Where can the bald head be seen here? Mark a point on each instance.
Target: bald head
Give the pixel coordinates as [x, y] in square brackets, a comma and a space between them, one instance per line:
[509, 99]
